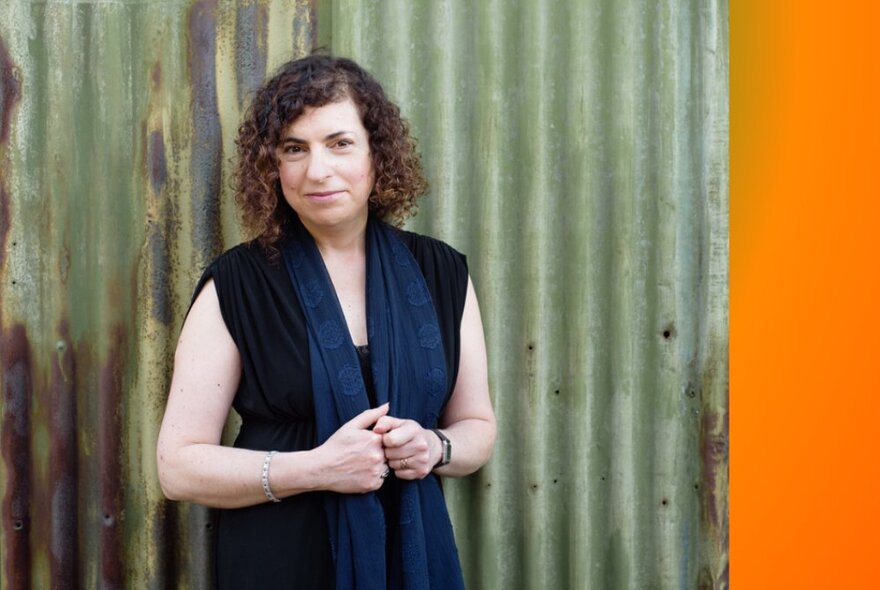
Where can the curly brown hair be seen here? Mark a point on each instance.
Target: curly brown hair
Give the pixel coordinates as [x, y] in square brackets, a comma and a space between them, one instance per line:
[315, 81]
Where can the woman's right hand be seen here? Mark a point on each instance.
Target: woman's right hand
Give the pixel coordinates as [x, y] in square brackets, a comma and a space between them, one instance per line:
[352, 460]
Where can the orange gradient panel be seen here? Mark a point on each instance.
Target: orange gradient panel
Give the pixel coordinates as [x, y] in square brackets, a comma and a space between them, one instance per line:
[805, 294]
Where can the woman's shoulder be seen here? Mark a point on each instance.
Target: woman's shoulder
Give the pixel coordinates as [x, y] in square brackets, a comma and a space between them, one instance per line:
[429, 250]
[245, 253]
[245, 259]
[445, 270]
[243, 263]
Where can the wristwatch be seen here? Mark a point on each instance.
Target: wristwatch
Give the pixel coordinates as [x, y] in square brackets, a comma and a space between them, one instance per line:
[446, 455]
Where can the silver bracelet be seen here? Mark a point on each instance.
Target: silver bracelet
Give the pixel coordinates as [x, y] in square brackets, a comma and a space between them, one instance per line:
[265, 477]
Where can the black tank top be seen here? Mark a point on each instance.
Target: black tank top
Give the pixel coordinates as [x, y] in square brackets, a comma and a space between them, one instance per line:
[285, 545]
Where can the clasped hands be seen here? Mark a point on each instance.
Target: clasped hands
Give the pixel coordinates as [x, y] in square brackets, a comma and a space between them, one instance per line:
[363, 449]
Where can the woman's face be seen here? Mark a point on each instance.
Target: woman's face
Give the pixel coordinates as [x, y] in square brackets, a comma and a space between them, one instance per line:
[325, 168]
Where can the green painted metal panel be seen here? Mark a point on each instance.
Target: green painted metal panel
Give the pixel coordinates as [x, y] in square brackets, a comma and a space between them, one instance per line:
[118, 119]
[577, 152]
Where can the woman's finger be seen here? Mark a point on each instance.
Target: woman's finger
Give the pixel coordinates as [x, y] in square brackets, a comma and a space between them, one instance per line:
[368, 418]
[387, 423]
[402, 434]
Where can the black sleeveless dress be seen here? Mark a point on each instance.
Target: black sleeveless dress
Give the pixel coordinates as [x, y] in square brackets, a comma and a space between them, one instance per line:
[285, 545]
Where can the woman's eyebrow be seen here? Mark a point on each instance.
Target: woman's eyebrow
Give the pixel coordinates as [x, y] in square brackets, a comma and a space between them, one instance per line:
[333, 135]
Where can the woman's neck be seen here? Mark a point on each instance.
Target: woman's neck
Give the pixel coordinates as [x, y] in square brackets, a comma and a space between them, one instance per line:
[340, 241]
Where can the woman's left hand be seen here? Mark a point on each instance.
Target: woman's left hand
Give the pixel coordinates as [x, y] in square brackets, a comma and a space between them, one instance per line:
[410, 450]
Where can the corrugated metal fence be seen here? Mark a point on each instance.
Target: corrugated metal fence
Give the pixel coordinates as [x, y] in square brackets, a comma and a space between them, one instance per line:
[577, 152]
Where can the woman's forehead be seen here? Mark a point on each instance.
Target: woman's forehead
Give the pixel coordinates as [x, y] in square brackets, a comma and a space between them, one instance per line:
[342, 115]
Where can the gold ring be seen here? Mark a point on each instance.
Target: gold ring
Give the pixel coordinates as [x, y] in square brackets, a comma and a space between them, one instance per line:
[403, 463]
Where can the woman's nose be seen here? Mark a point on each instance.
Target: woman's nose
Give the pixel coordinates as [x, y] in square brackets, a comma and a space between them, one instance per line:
[319, 167]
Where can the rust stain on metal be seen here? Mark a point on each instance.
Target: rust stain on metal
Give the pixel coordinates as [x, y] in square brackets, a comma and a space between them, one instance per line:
[164, 530]
[158, 165]
[10, 91]
[110, 380]
[305, 26]
[160, 292]
[207, 148]
[4, 223]
[15, 431]
[159, 230]
[251, 27]
[63, 464]
[713, 448]
[156, 76]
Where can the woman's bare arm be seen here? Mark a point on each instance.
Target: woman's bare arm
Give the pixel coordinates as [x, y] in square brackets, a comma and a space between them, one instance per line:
[193, 466]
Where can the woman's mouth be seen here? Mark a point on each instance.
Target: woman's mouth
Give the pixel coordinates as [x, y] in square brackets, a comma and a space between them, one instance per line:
[323, 196]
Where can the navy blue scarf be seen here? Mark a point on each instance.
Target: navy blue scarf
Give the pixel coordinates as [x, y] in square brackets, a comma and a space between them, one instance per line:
[409, 370]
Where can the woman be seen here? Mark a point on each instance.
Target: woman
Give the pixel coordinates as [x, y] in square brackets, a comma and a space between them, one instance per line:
[353, 351]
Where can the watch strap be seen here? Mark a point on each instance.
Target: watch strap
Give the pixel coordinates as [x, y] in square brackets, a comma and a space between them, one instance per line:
[446, 447]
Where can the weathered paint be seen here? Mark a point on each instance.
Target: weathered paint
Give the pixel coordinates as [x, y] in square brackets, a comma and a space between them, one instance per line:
[250, 42]
[4, 223]
[63, 461]
[16, 432]
[207, 151]
[10, 91]
[577, 152]
[110, 399]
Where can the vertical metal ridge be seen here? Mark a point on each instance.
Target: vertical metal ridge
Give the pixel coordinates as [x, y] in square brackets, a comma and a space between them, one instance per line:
[585, 425]
[625, 302]
[16, 430]
[715, 439]
[486, 507]
[541, 287]
[206, 147]
[148, 527]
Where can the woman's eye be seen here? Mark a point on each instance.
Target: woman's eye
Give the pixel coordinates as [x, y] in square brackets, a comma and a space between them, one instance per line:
[343, 143]
[291, 151]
